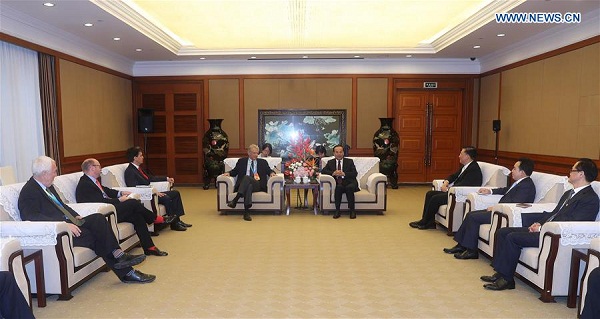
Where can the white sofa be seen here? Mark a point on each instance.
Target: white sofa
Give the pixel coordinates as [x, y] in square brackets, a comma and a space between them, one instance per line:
[592, 263]
[451, 216]
[271, 200]
[11, 259]
[66, 186]
[547, 267]
[373, 192]
[65, 266]
[549, 188]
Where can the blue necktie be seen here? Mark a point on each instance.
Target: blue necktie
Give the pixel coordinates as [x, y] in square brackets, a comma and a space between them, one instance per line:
[62, 208]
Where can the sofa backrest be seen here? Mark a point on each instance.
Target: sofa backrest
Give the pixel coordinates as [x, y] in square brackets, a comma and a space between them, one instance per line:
[114, 175]
[7, 175]
[66, 185]
[365, 166]
[9, 202]
[548, 187]
[494, 175]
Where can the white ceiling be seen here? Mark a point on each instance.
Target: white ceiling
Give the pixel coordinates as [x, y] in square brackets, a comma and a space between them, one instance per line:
[199, 29]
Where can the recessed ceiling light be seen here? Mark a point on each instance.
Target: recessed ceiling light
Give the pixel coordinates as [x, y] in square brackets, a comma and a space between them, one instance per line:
[116, 39]
[409, 55]
[501, 34]
[88, 24]
[49, 4]
[305, 57]
[357, 56]
[252, 57]
[138, 50]
[202, 58]
[476, 47]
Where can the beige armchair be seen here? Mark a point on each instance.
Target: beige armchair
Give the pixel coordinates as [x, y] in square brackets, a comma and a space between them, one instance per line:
[66, 186]
[373, 192]
[11, 259]
[271, 200]
[549, 188]
[592, 263]
[547, 267]
[451, 215]
[65, 266]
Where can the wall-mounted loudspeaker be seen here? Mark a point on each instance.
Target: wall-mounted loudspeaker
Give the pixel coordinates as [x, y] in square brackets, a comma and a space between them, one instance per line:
[496, 125]
[145, 120]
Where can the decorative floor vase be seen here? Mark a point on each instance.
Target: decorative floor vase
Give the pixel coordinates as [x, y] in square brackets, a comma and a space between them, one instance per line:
[215, 145]
[385, 147]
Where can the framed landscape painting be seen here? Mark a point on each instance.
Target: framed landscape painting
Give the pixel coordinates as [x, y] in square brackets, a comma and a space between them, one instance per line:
[282, 127]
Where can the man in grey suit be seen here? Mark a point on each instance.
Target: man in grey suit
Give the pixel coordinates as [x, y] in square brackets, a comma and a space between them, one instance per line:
[521, 191]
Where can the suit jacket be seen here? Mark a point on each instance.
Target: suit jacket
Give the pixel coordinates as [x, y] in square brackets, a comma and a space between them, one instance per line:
[133, 177]
[88, 192]
[470, 177]
[523, 192]
[35, 205]
[348, 168]
[583, 206]
[262, 168]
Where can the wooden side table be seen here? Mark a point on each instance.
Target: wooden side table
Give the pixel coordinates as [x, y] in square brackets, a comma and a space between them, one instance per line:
[37, 257]
[577, 256]
[291, 185]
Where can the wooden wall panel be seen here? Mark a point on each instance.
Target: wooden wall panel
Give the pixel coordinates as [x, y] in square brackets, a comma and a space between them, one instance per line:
[488, 110]
[223, 103]
[371, 104]
[95, 109]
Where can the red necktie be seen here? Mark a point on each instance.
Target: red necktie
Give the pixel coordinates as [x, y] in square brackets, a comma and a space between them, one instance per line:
[338, 179]
[141, 171]
[101, 189]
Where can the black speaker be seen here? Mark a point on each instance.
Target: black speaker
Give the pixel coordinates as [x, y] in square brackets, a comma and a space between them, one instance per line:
[496, 124]
[145, 120]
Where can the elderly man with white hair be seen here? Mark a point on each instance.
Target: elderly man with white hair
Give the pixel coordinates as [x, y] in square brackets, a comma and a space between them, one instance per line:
[39, 201]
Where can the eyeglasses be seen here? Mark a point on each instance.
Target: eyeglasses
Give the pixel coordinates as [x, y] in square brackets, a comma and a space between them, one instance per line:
[575, 170]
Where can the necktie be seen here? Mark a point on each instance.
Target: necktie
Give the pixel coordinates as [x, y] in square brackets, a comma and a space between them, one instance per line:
[338, 179]
[60, 206]
[101, 189]
[142, 172]
[564, 204]
[252, 168]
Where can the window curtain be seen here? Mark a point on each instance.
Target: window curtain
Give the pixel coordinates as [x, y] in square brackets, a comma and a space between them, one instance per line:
[49, 106]
[21, 134]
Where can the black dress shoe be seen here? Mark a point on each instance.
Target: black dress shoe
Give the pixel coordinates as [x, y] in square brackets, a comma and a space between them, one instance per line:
[155, 252]
[427, 226]
[467, 254]
[154, 233]
[178, 227]
[138, 277]
[415, 224]
[247, 217]
[456, 249]
[337, 215]
[491, 278]
[128, 260]
[352, 215]
[186, 225]
[500, 284]
[231, 204]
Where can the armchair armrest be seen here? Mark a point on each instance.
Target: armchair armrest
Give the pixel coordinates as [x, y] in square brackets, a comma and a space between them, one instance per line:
[161, 186]
[34, 233]
[372, 181]
[228, 180]
[479, 201]
[436, 185]
[278, 178]
[144, 192]
[86, 209]
[513, 213]
[461, 192]
[573, 233]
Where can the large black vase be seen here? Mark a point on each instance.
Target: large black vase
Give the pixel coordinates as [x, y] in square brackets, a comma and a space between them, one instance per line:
[385, 146]
[215, 145]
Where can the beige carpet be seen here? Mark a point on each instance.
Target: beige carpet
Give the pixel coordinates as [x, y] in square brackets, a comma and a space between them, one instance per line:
[304, 266]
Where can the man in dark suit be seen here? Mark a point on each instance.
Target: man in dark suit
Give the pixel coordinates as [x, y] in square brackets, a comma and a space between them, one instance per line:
[90, 190]
[521, 191]
[39, 201]
[591, 309]
[468, 175]
[135, 175]
[578, 204]
[252, 175]
[12, 302]
[344, 172]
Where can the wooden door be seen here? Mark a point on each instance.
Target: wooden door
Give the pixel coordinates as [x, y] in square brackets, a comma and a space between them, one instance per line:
[429, 126]
[174, 149]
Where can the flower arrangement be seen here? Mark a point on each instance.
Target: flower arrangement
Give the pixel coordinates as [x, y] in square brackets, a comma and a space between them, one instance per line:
[301, 162]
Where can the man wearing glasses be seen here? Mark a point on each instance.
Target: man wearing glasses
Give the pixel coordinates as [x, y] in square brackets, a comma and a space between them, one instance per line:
[578, 204]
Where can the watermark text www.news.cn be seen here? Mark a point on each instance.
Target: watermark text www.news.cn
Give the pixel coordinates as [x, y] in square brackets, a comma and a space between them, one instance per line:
[538, 17]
